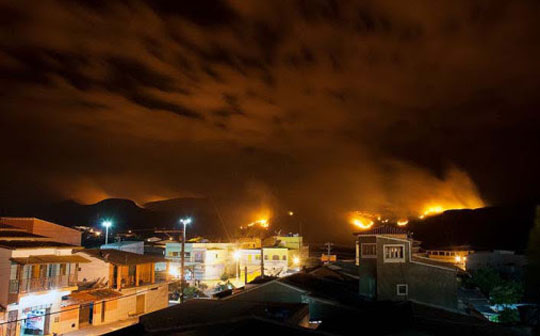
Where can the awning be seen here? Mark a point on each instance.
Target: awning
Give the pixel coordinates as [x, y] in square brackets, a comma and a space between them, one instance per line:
[50, 259]
[92, 296]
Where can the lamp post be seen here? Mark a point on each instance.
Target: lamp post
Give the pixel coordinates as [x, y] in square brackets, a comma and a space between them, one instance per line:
[184, 221]
[263, 223]
[107, 224]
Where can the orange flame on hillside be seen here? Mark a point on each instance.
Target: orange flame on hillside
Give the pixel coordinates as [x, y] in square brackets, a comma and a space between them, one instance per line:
[362, 220]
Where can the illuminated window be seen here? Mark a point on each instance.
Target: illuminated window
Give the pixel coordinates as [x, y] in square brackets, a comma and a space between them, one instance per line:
[369, 250]
[258, 257]
[394, 253]
[402, 289]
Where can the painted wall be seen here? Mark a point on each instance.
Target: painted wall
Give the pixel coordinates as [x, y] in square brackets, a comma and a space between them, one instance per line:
[121, 308]
[295, 242]
[67, 320]
[96, 269]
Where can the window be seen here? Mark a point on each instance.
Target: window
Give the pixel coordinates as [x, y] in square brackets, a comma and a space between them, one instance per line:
[266, 257]
[275, 257]
[369, 250]
[258, 257]
[402, 289]
[394, 253]
[284, 257]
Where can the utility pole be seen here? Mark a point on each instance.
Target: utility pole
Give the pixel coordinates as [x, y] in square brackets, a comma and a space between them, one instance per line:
[262, 257]
[182, 278]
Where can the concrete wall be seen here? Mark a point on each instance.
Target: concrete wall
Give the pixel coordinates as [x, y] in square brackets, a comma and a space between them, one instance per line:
[67, 320]
[433, 286]
[95, 270]
[124, 307]
[37, 226]
[426, 283]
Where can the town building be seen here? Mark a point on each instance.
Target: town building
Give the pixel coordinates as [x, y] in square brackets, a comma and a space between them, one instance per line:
[120, 285]
[239, 260]
[203, 261]
[453, 255]
[38, 273]
[389, 270]
[507, 263]
[298, 252]
[276, 261]
[132, 246]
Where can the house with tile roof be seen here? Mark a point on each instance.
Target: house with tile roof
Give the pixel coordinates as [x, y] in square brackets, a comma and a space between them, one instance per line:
[38, 272]
[119, 285]
[389, 269]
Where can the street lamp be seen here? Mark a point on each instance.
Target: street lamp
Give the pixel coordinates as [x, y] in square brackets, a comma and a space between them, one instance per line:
[184, 221]
[107, 224]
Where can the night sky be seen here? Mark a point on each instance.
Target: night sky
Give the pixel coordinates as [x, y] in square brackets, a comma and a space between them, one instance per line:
[321, 105]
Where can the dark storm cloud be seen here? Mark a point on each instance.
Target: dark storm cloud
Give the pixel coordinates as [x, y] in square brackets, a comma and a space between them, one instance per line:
[337, 104]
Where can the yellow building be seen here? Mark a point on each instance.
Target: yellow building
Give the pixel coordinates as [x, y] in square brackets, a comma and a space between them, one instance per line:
[298, 253]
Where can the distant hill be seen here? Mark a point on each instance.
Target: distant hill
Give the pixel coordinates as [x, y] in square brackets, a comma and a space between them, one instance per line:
[502, 227]
[127, 215]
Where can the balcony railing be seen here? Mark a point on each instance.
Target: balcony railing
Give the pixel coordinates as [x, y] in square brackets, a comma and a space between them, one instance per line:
[40, 284]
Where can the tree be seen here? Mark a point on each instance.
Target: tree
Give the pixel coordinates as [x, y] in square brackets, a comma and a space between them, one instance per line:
[509, 316]
[508, 292]
[485, 279]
